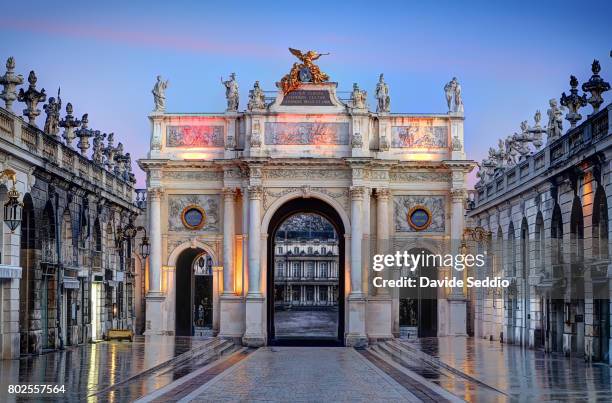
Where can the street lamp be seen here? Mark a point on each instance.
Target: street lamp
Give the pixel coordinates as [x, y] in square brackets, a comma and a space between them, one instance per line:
[130, 232]
[13, 208]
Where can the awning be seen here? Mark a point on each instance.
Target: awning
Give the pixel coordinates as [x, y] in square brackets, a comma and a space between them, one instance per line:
[71, 283]
[7, 271]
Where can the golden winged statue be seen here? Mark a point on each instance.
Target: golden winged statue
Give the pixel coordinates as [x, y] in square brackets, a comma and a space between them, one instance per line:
[306, 71]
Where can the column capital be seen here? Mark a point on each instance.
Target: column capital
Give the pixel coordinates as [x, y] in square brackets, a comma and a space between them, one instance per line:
[357, 192]
[458, 195]
[155, 193]
[255, 192]
[228, 193]
[383, 193]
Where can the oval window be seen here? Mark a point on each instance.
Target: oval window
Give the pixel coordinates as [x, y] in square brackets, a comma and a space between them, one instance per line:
[419, 217]
[193, 217]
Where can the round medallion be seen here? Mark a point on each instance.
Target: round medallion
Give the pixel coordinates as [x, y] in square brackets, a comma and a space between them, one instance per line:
[419, 217]
[193, 217]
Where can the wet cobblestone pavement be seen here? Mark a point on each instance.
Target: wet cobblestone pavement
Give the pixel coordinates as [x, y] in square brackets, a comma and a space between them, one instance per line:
[523, 374]
[91, 368]
[298, 374]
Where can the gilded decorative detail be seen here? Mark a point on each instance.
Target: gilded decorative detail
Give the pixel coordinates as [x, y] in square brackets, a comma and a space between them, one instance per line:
[306, 71]
[193, 217]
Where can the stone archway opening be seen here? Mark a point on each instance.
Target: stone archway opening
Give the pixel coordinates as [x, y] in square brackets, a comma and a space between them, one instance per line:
[194, 293]
[305, 278]
[418, 316]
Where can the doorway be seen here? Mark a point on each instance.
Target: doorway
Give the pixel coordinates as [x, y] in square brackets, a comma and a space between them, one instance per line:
[418, 306]
[194, 293]
[306, 274]
[95, 311]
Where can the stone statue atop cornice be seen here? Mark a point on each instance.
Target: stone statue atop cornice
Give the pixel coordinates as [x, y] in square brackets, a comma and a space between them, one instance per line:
[382, 95]
[257, 98]
[98, 147]
[452, 92]
[359, 97]
[52, 109]
[159, 94]
[554, 129]
[231, 93]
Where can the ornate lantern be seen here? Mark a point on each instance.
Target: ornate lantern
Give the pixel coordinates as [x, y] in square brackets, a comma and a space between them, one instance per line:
[145, 247]
[13, 208]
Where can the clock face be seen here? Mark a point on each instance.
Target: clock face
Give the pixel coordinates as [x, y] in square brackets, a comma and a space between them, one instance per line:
[193, 217]
[419, 218]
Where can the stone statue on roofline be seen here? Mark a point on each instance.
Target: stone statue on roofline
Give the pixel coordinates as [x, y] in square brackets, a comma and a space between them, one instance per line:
[554, 129]
[257, 98]
[359, 97]
[452, 93]
[231, 92]
[382, 96]
[159, 94]
[52, 109]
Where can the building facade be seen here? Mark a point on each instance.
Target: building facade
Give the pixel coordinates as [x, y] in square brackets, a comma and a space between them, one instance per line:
[68, 272]
[546, 211]
[306, 266]
[223, 183]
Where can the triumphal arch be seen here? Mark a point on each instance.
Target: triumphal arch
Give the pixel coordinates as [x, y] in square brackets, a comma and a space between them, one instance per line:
[263, 219]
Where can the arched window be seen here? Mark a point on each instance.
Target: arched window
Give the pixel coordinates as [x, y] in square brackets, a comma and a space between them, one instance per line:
[109, 246]
[539, 245]
[511, 251]
[556, 235]
[47, 236]
[524, 248]
[68, 250]
[600, 225]
[499, 252]
[577, 232]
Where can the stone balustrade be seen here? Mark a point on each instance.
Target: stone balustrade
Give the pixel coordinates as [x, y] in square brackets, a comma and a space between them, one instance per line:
[596, 132]
[61, 157]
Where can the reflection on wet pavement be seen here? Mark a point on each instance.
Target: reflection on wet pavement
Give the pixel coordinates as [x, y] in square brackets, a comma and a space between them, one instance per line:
[88, 369]
[523, 374]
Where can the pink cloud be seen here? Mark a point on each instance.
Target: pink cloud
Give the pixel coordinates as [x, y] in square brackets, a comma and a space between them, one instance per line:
[146, 38]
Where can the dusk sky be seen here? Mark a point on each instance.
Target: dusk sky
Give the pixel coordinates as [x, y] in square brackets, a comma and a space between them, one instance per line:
[510, 57]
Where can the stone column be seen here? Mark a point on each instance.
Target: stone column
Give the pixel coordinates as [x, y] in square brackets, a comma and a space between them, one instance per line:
[356, 336]
[382, 230]
[457, 301]
[154, 196]
[356, 239]
[254, 335]
[229, 196]
[366, 243]
[155, 298]
[255, 195]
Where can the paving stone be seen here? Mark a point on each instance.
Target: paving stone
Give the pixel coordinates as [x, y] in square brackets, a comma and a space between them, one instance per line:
[304, 374]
